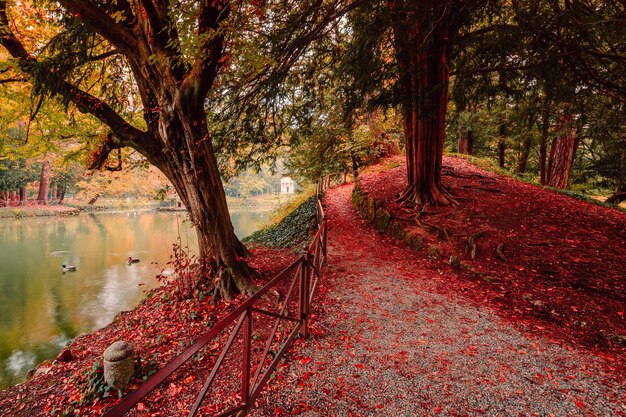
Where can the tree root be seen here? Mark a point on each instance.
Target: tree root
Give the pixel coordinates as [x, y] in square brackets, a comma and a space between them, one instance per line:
[500, 252]
[443, 233]
[452, 173]
[541, 243]
[472, 247]
[489, 190]
[233, 280]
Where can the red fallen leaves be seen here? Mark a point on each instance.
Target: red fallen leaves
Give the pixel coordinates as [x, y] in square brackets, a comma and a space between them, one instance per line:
[305, 361]
[564, 274]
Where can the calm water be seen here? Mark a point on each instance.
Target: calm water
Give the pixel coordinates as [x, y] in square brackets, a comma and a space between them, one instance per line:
[41, 308]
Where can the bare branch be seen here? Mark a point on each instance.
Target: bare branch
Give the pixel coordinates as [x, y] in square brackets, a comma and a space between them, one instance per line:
[14, 80]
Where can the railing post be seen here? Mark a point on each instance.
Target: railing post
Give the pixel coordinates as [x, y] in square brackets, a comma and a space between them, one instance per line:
[324, 236]
[304, 293]
[245, 365]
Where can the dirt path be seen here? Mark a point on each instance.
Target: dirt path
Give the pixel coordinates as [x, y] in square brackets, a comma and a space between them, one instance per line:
[390, 340]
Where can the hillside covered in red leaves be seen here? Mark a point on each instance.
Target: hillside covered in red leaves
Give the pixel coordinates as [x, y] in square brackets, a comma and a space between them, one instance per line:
[554, 263]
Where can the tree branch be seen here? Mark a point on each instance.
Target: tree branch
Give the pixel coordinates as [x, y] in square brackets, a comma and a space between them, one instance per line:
[100, 156]
[102, 23]
[163, 34]
[14, 80]
[213, 14]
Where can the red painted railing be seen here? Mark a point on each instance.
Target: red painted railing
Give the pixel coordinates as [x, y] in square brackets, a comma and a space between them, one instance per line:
[291, 317]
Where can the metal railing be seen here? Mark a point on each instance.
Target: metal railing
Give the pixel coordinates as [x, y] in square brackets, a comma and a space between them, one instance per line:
[291, 316]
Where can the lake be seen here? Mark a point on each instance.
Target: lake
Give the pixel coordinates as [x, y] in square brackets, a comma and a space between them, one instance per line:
[42, 308]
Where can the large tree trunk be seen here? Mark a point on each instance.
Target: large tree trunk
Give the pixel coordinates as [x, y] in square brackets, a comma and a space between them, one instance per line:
[423, 35]
[44, 179]
[562, 153]
[194, 174]
[173, 95]
[23, 195]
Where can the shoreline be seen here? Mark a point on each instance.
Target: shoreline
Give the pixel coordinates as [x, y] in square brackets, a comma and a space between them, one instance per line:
[266, 202]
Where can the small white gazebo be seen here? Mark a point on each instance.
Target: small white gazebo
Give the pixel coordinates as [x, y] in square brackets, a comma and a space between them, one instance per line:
[287, 185]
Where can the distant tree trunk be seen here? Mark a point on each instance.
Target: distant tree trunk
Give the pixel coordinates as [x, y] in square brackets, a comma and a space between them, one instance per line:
[543, 145]
[61, 191]
[94, 199]
[466, 141]
[423, 36]
[23, 195]
[355, 164]
[524, 153]
[620, 184]
[562, 153]
[44, 178]
[522, 158]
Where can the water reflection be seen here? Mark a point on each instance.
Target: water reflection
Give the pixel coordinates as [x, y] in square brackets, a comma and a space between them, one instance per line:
[41, 308]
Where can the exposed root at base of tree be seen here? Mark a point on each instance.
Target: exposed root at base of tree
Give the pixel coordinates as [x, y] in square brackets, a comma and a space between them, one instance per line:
[443, 232]
[410, 198]
[500, 252]
[231, 280]
[472, 247]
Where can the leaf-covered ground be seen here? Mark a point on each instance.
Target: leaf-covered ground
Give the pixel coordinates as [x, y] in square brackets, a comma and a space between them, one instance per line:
[564, 265]
[399, 333]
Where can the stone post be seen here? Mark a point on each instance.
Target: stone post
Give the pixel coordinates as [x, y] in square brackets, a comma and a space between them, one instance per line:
[119, 365]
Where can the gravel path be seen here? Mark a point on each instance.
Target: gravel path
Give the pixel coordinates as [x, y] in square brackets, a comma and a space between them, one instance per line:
[389, 340]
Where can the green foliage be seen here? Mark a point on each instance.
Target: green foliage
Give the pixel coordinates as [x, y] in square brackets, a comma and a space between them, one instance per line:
[291, 231]
[250, 183]
[95, 386]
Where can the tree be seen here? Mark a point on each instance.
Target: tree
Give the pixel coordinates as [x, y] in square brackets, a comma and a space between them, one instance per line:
[172, 90]
[562, 152]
